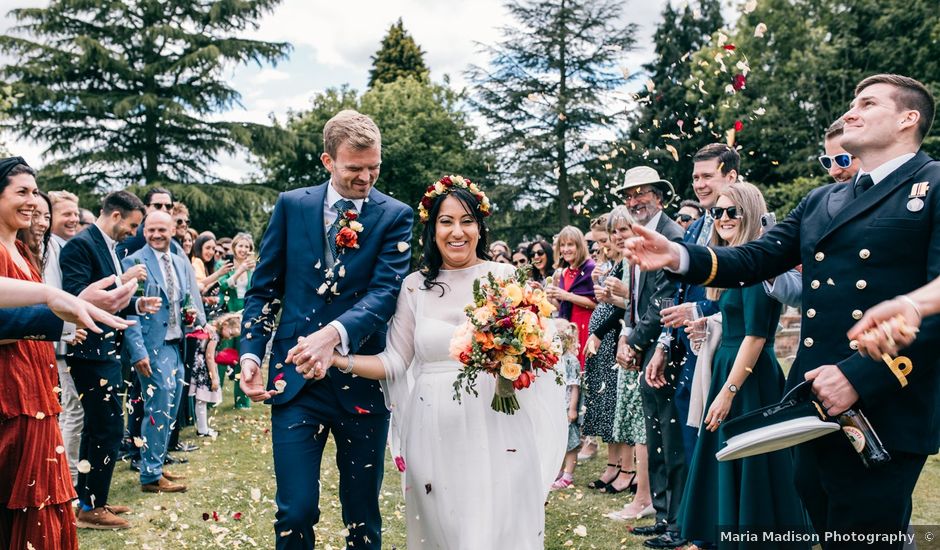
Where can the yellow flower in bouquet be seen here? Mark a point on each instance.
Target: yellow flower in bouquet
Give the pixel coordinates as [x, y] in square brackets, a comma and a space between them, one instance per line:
[514, 293]
[509, 368]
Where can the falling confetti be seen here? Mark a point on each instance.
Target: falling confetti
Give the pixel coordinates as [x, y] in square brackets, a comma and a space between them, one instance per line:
[83, 466]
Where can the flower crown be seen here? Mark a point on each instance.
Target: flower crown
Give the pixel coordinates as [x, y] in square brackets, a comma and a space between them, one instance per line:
[444, 186]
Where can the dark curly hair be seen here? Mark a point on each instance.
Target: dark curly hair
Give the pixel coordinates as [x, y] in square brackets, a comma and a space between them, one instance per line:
[431, 259]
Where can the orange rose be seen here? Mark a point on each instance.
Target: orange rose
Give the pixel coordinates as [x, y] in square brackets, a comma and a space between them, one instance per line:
[486, 340]
[347, 238]
[531, 340]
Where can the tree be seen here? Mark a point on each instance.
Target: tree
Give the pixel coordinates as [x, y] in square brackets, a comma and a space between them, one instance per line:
[122, 91]
[663, 115]
[547, 94]
[398, 57]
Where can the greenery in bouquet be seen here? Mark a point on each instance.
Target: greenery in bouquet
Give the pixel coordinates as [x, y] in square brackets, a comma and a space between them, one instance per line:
[507, 335]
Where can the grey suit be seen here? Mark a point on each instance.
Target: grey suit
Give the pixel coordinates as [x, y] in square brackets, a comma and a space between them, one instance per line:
[667, 467]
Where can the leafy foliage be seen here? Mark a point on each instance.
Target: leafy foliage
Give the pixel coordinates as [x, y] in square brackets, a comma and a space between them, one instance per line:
[548, 91]
[398, 57]
[123, 92]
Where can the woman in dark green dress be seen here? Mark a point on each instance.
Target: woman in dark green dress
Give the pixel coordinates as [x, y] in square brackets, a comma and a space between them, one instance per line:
[751, 495]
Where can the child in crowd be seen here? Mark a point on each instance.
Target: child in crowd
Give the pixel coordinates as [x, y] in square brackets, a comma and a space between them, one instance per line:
[568, 333]
[206, 385]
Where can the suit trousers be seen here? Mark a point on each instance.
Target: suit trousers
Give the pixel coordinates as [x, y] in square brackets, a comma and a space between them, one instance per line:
[161, 392]
[666, 464]
[299, 433]
[683, 397]
[71, 419]
[99, 384]
[842, 496]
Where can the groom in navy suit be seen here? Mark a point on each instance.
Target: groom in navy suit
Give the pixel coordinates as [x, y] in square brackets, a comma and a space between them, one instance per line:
[331, 261]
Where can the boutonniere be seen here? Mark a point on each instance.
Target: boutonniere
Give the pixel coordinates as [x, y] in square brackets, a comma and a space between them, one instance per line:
[348, 235]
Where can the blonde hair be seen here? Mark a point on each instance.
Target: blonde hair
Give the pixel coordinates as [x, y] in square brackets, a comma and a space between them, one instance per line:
[353, 128]
[568, 334]
[751, 205]
[244, 237]
[227, 319]
[55, 197]
[570, 233]
[179, 208]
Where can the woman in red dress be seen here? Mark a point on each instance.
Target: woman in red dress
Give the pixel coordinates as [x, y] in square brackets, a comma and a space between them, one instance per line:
[573, 288]
[35, 486]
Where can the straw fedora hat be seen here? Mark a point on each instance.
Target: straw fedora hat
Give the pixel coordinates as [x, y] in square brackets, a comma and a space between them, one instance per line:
[644, 175]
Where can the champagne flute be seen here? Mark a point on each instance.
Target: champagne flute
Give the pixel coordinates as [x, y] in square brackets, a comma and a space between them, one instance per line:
[699, 329]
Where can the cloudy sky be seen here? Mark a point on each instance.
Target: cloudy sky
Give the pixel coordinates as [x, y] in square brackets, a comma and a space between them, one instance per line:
[333, 42]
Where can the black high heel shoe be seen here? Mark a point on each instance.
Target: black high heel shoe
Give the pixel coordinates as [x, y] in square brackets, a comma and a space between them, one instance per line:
[600, 483]
[610, 489]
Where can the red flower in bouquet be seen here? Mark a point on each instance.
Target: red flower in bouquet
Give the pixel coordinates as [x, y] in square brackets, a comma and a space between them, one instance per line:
[347, 238]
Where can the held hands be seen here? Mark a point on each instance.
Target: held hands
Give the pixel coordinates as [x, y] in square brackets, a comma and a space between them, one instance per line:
[251, 381]
[886, 328]
[719, 409]
[833, 389]
[313, 354]
[651, 251]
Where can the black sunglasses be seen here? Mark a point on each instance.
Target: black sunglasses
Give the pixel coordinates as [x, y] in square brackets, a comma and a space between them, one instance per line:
[181, 221]
[684, 217]
[842, 160]
[162, 205]
[520, 262]
[718, 211]
[538, 252]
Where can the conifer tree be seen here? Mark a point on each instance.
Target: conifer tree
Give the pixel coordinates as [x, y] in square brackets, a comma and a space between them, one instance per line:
[398, 57]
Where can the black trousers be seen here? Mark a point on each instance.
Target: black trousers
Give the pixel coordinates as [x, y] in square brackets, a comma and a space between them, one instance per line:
[666, 452]
[99, 383]
[843, 497]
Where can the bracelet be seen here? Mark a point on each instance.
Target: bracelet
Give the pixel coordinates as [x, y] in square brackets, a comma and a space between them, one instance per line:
[349, 365]
[913, 304]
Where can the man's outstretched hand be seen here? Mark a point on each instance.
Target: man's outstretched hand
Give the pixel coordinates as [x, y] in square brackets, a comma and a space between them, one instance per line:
[652, 251]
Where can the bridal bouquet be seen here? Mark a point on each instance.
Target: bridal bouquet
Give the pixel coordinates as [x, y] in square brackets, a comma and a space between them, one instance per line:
[505, 336]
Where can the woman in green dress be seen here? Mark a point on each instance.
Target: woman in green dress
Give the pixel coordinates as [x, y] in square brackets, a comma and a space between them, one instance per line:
[756, 494]
[232, 288]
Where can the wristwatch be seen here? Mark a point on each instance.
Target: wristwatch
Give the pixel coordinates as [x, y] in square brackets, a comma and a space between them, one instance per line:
[732, 388]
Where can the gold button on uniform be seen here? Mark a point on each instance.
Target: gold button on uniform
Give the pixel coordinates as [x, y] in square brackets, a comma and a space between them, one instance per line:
[808, 342]
[814, 285]
[861, 284]
[864, 253]
[857, 314]
[854, 345]
[820, 256]
[810, 313]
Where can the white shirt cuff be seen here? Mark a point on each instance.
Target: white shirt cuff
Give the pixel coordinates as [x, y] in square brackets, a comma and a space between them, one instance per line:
[137, 305]
[68, 331]
[343, 347]
[683, 261]
[251, 356]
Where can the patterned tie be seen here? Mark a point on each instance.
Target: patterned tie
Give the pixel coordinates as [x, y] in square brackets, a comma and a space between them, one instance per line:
[170, 289]
[863, 184]
[342, 206]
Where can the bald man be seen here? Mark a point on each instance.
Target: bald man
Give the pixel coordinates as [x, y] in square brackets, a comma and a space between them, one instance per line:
[154, 347]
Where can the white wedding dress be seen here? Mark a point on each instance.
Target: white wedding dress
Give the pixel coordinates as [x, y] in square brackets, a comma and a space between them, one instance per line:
[474, 478]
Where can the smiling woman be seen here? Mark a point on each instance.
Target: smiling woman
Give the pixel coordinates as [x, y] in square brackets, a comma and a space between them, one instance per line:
[34, 479]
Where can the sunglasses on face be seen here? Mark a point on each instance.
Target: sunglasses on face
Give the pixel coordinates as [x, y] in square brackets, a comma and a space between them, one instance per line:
[718, 211]
[538, 252]
[182, 221]
[520, 262]
[684, 218]
[842, 160]
[162, 206]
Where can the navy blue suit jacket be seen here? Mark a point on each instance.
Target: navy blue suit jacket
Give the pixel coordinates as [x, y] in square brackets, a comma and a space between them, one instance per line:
[292, 278]
[856, 251]
[84, 260]
[30, 323]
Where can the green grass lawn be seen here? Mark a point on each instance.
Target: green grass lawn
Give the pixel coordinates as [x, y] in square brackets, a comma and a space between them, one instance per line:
[234, 475]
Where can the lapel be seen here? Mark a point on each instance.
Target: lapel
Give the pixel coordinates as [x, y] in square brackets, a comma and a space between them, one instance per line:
[370, 215]
[311, 204]
[101, 248]
[182, 280]
[641, 280]
[153, 266]
[874, 196]
[839, 198]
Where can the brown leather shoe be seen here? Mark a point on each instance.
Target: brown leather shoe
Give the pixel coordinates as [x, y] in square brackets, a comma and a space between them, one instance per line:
[115, 509]
[100, 518]
[172, 477]
[163, 485]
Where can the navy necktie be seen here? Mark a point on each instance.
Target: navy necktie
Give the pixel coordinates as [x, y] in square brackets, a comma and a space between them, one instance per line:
[342, 206]
[863, 184]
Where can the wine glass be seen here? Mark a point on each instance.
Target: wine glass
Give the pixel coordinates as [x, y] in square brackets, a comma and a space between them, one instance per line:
[699, 329]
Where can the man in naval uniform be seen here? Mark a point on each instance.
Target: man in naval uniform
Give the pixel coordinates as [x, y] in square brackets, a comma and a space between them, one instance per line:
[859, 244]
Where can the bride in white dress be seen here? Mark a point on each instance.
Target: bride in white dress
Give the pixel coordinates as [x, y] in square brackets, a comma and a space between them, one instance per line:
[473, 478]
